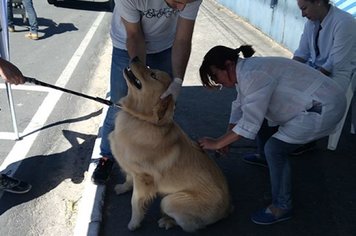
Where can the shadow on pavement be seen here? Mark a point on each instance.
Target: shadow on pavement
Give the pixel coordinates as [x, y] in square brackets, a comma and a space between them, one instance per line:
[67, 121]
[324, 182]
[47, 27]
[48, 171]
[53, 28]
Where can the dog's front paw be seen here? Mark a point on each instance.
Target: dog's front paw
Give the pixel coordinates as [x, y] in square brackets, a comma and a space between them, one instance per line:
[166, 222]
[133, 225]
[122, 188]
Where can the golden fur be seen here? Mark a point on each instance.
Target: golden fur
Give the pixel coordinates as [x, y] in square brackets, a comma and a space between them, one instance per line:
[159, 158]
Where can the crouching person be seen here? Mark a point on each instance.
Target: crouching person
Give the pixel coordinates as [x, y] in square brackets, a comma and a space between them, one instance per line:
[299, 103]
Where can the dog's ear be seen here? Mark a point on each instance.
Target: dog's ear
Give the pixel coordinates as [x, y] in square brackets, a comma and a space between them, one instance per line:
[164, 109]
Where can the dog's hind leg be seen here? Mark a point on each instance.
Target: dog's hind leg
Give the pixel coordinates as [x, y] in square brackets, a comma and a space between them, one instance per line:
[126, 186]
[143, 193]
[184, 210]
[166, 222]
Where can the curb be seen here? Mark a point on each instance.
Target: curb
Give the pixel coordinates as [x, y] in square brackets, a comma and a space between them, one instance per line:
[89, 216]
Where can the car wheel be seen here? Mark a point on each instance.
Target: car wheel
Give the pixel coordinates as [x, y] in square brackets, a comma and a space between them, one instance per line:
[110, 5]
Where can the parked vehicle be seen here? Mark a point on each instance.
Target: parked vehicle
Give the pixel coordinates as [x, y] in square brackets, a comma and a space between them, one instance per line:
[109, 3]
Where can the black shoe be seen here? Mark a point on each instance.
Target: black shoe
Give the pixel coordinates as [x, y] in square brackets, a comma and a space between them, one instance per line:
[305, 148]
[102, 171]
[254, 159]
[12, 185]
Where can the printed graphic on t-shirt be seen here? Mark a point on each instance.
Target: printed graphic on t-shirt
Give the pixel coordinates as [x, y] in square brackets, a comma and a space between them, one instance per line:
[158, 13]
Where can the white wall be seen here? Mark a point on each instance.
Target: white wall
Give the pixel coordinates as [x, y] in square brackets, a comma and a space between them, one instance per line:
[283, 23]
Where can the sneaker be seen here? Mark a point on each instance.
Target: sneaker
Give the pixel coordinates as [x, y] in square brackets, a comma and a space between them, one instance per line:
[305, 148]
[12, 185]
[102, 171]
[254, 159]
[33, 36]
[11, 28]
[266, 217]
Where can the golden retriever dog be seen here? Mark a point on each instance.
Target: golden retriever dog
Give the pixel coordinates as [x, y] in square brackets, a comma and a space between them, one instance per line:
[159, 159]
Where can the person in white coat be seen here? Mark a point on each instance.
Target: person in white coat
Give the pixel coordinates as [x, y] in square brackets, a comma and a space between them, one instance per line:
[328, 44]
[299, 103]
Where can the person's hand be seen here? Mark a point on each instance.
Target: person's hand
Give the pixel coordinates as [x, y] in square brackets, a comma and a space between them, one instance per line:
[208, 143]
[174, 89]
[10, 73]
[223, 151]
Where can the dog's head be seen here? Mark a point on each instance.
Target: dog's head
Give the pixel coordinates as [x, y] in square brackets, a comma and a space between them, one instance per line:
[145, 86]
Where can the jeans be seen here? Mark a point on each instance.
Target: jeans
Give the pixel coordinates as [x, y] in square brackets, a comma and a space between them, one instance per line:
[31, 13]
[263, 135]
[118, 88]
[10, 14]
[276, 153]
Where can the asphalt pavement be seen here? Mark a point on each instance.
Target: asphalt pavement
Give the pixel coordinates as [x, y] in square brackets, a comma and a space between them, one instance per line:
[57, 130]
[324, 181]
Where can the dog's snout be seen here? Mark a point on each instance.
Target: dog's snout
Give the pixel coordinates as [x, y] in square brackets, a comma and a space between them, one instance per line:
[130, 76]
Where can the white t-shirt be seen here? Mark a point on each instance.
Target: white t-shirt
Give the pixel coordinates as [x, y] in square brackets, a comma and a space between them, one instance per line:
[284, 92]
[158, 21]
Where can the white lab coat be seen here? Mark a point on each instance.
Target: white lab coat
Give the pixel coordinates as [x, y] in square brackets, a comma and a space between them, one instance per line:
[283, 91]
[337, 45]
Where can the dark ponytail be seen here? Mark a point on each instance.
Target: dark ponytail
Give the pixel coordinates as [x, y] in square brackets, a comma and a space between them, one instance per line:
[246, 50]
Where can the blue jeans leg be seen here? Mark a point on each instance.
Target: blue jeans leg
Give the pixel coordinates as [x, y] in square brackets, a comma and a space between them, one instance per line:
[276, 152]
[32, 16]
[263, 135]
[10, 14]
[118, 88]
[161, 61]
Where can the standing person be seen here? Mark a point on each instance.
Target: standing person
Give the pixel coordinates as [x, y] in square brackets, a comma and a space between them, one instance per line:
[32, 18]
[299, 103]
[159, 32]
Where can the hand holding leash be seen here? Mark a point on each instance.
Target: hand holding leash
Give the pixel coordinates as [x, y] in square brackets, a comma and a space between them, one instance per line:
[174, 88]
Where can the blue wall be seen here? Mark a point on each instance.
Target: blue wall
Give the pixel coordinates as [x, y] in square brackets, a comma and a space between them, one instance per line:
[282, 22]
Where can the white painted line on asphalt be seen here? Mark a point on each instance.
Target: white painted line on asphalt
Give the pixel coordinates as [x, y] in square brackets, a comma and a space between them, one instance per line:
[8, 135]
[22, 147]
[27, 88]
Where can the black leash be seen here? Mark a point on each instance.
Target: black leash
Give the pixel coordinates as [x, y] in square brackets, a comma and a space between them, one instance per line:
[97, 99]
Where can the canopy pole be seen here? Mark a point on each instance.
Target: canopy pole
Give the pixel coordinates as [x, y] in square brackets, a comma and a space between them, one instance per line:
[4, 52]
[12, 110]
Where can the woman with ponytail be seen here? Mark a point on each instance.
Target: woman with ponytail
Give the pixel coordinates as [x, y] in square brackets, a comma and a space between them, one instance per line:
[299, 103]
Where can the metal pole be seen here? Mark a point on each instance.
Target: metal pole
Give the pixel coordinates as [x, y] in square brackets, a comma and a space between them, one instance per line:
[4, 53]
[12, 110]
